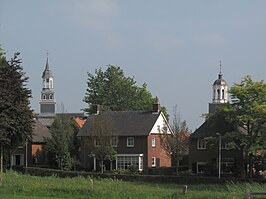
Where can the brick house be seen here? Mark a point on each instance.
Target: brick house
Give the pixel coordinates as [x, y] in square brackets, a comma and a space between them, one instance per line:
[135, 138]
[33, 151]
[206, 143]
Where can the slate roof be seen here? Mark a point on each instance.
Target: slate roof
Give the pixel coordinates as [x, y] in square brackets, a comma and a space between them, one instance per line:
[47, 118]
[40, 132]
[124, 123]
[47, 73]
[208, 129]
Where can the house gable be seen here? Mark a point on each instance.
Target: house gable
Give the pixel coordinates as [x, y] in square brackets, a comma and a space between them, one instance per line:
[161, 126]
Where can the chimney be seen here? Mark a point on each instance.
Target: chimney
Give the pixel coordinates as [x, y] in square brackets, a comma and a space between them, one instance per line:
[96, 109]
[156, 107]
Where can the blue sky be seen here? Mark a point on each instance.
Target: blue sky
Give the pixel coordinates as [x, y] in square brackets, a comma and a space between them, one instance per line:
[174, 46]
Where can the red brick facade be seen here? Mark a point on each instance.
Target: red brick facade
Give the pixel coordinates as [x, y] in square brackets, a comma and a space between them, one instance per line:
[156, 151]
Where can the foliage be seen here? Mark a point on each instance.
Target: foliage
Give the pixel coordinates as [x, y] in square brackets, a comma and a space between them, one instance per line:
[115, 92]
[61, 147]
[100, 137]
[16, 117]
[176, 145]
[25, 186]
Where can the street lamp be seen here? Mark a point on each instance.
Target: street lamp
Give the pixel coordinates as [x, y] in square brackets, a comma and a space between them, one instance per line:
[219, 156]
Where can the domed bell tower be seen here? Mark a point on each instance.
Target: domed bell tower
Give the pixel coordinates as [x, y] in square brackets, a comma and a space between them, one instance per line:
[220, 92]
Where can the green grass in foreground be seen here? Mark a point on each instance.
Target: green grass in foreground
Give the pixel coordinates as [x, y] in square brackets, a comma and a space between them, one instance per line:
[29, 187]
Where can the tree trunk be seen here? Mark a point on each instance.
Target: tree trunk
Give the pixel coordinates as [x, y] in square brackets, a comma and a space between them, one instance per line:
[177, 163]
[101, 166]
[1, 159]
[250, 169]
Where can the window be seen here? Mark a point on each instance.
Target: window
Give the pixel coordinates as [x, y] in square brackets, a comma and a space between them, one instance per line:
[43, 96]
[201, 167]
[124, 161]
[97, 142]
[114, 141]
[227, 165]
[153, 162]
[51, 96]
[201, 144]
[140, 163]
[225, 145]
[17, 160]
[130, 142]
[153, 142]
[51, 84]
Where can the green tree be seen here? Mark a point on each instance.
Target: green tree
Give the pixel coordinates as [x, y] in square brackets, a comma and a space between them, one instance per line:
[115, 92]
[16, 117]
[247, 115]
[176, 145]
[60, 147]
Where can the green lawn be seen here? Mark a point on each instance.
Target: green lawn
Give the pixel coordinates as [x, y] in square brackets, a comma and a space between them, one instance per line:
[28, 187]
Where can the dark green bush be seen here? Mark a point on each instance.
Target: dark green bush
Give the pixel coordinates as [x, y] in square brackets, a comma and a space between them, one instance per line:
[139, 177]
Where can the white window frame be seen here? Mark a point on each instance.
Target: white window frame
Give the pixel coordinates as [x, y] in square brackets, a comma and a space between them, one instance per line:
[123, 157]
[130, 141]
[153, 161]
[153, 142]
[114, 141]
[201, 143]
[97, 142]
[200, 163]
[13, 159]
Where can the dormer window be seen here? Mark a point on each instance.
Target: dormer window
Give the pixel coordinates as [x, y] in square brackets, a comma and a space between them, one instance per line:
[43, 96]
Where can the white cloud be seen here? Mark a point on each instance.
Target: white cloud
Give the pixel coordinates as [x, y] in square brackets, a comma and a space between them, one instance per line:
[161, 42]
[210, 39]
[93, 14]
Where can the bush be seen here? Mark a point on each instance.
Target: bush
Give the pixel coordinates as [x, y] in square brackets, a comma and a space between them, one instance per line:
[140, 178]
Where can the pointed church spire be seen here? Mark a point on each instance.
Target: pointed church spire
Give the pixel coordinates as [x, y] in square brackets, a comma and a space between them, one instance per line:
[47, 63]
[47, 73]
[47, 101]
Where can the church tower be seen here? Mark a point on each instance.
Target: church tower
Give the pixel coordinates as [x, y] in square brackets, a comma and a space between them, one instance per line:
[220, 92]
[47, 101]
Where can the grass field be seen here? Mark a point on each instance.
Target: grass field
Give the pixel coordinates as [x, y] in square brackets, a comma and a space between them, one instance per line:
[29, 187]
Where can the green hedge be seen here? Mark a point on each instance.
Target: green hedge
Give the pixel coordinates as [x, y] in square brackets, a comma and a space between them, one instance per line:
[137, 177]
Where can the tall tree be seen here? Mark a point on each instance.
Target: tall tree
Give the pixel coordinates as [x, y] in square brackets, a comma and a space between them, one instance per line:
[176, 145]
[60, 146]
[115, 92]
[247, 114]
[16, 117]
[101, 139]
